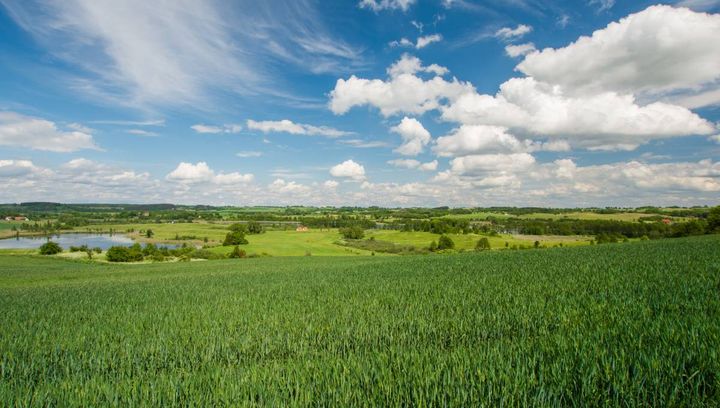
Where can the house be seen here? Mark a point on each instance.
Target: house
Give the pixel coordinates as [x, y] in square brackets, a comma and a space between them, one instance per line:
[666, 221]
[301, 228]
[18, 218]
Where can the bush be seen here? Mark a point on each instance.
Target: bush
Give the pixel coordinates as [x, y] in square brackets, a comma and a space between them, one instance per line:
[483, 244]
[50, 248]
[124, 254]
[97, 250]
[238, 228]
[235, 238]
[237, 253]
[433, 246]
[81, 248]
[355, 232]
[444, 242]
[255, 227]
[205, 254]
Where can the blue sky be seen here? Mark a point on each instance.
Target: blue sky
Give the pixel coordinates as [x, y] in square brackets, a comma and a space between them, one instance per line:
[362, 102]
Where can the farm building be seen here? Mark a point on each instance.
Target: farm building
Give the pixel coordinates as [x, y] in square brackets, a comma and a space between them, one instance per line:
[19, 218]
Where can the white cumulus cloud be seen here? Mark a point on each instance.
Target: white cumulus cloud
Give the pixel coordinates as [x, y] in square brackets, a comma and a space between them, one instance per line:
[18, 130]
[348, 169]
[414, 136]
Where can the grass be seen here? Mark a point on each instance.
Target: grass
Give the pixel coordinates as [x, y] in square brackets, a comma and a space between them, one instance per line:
[316, 241]
[630, 324]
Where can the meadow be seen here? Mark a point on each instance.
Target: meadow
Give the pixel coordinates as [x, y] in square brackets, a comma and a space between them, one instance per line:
[320, 242]
[617, 324]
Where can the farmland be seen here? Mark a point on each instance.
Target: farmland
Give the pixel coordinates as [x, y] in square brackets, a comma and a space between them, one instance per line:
[625, 324]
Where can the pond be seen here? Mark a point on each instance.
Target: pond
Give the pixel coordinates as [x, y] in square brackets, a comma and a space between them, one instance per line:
[103, 241]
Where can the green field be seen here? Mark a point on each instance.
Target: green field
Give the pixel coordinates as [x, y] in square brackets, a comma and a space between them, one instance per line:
[627, 324]
[321, 242]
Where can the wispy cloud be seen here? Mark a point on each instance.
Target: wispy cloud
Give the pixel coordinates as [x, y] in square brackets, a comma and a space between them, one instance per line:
[183, 52]
[288, 126]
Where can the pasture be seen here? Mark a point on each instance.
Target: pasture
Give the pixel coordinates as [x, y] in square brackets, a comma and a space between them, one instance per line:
[321, 242]
[627, 324]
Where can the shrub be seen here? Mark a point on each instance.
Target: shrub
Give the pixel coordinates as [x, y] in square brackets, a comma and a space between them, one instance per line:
[237, 253]
[235, 238]
[433, 246]
[444, 242]
[124, 254]
[81, 248]
[50, 248]
[355, 232]
[205, 254]
[97, 250]
[482, 244]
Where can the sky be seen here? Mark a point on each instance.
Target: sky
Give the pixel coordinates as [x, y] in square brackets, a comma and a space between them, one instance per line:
[393, 103]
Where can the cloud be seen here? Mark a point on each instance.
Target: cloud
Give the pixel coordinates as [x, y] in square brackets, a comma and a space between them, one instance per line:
[200, 172]
[603, 5]
[520, 50]
[230, 128]
[363, 144]
[473, 139]
[183, 52]
[715, 138]
[379, 5]
[414, 136]
[141, 132]
[403, 42]
[18, 130]
[348, 169]
[402, 92]
[602, 121]
[16, 168]
[659, 49]
[699, 5]
[331, 184]
[424, 41]
[512, 34]
[248, 154]
[288, 187]
[288, 126]
[491, 163]
[414, 164]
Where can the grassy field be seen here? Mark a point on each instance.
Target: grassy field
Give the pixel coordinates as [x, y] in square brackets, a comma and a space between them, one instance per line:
[319, 242]
[623, 325]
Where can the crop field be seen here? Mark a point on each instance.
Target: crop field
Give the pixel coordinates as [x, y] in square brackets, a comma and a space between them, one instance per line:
[468, 241]
[627, 324]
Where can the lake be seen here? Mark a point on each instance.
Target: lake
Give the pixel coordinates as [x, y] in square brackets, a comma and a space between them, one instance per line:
[103, 241]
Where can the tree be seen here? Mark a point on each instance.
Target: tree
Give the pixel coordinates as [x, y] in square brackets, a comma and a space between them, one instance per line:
[50, 248]
[255, 227]
[238, 228]
[482, 244]
[149, 233]
[444, 242]
[354, 232]
[536, 244]
[237, 253]
[713, 219]
[235, 238]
